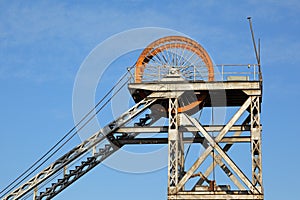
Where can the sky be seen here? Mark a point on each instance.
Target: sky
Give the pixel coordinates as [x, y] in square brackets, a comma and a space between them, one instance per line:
[44, 43]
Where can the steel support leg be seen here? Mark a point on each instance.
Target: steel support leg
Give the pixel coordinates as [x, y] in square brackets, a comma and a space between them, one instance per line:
[175, 144]
[256, 144]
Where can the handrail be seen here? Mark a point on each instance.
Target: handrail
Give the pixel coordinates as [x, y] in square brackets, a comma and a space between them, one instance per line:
[222, 72]
[253, 70]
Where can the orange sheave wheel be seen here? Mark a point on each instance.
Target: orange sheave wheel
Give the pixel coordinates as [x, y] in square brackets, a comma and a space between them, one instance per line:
[179, 53]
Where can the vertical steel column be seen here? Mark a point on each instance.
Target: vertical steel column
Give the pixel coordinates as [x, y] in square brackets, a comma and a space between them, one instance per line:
[35, 193]
[175, 144]
[256, 145]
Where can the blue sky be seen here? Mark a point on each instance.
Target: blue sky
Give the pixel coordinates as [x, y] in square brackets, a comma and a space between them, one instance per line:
[43, 43]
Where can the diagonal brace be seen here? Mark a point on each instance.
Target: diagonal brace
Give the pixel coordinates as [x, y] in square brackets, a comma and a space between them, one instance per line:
[206, 153]
[220, 162]
[215, 145]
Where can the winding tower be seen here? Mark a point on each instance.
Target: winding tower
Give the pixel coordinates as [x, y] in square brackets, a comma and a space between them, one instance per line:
[175, 79]
[180, 74]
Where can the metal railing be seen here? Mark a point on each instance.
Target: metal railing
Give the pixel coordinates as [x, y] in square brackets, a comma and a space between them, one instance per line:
[238, 72]
[222, 72]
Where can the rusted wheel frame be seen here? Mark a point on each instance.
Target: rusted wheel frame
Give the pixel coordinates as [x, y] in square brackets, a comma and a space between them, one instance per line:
[170, 42]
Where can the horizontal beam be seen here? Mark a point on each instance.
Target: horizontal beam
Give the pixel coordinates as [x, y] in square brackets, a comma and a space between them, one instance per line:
[164, 129]
[196, 86]
[233, 139]
[213, 195]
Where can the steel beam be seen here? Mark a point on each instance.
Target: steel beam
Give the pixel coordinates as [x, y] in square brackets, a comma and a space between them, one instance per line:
[228, 140]
[256, 144]
[187, 128]
[218, 160]
[175, 145]
[214, 195]
[206, 153]
[196, 86]
[214, 145]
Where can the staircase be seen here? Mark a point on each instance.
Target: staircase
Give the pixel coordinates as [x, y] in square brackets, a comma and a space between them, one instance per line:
[103, 143]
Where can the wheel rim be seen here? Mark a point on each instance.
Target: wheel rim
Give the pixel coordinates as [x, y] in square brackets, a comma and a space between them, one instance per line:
[174, 52]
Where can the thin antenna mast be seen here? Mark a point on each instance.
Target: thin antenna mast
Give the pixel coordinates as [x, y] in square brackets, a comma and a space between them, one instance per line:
[257, 54]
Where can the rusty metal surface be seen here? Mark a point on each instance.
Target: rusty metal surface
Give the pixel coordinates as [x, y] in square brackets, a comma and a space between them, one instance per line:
[168, 43]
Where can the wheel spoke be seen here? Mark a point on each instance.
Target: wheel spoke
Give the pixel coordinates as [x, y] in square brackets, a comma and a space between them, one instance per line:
[182, 53]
